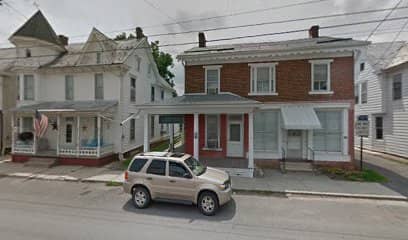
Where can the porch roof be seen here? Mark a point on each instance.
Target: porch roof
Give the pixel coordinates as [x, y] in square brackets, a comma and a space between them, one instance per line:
[68, 106]
[300, 117]
[203, 103]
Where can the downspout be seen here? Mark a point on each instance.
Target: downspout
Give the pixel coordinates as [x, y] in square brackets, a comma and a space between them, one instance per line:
[120, 106]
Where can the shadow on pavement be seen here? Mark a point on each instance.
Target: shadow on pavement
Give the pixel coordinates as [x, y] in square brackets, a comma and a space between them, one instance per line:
[395, 182]
[185, 211]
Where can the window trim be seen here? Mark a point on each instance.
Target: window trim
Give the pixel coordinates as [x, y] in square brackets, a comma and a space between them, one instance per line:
[24, 87]
[98, 58]
[132, 129]
[361, 92]
[342, 131]
[67, 77]
[212, 67]
[376, 127]
[329, 89]
[96, 87]
[218, 148]
[392, 87]
[132, 89]
[253, 78]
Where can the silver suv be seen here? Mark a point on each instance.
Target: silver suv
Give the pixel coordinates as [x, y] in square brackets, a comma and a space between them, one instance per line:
[176, 176]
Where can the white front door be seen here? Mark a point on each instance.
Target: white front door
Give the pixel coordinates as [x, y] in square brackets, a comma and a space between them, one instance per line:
[294, 145]
[235, 142]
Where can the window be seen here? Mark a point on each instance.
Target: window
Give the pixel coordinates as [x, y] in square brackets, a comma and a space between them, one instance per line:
[362, 66]
[162, 94]
[138, 61]
[364, 92]
[356, 94]
[397, 87]
[98, 86]
[68, 133]
[28, 53]
[329, 137]
[69, 87]
[212, 131]
[28, 87]
[27, 124]
[320, 75]
[157, 167]
[266, 125]
[152, 126]
[212, 79]
[152, 92]
[98, 57]
[379, 127]
[137, 165]
[18, 87]
[132, 89]
[178, 170]
[132, 129]
[263, 78]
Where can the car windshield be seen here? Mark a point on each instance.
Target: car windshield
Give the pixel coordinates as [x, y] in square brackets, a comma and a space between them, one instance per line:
[195, 166]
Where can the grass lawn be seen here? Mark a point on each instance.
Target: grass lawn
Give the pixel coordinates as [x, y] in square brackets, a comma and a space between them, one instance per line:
[367, 175]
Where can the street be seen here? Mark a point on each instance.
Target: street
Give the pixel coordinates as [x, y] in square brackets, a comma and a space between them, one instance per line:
[35, 209]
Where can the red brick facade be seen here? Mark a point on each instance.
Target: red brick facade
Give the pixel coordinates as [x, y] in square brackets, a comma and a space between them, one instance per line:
[293, 80]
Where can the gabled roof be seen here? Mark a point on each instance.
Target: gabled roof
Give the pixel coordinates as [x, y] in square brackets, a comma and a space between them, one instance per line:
[37, 27]
[386, 54]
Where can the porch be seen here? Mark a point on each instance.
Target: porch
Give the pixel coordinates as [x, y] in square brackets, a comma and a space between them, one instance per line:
[80, 129]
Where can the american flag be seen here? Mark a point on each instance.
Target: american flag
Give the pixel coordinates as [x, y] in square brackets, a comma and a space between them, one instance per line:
[40, 124]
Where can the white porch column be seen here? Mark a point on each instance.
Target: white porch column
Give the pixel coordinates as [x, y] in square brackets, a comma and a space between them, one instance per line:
[146, 141]
[78, 135]
[99, 135]
[35, 139]
[251, 140]
[58, 134]
[171, 130]
[13, 132]
[196, 135]
[346, 132]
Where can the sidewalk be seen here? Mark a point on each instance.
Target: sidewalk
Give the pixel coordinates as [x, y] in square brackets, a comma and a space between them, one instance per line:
[273, 181]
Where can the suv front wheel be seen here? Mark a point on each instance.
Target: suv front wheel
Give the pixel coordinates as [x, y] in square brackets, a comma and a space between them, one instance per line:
[208, 203]
[140, 197]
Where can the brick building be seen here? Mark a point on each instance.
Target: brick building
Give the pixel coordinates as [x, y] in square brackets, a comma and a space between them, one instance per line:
[256, 104]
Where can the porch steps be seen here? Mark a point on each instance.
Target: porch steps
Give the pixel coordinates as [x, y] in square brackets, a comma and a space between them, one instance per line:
[299, 167]
[41, 162]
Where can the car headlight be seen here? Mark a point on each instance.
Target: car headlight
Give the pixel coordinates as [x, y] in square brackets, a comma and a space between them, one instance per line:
[222, 186]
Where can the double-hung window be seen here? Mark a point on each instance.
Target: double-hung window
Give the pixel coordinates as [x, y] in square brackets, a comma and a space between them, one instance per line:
[379, 127]
[212, 79]
[263, 78]
[29, 87]
[212, 132]
[152, 93]
[132, 89]
[69, 87]
[98, 86]
[364, 94]
[329, 138]
[320, 70]
[132, 128]
[397, 86]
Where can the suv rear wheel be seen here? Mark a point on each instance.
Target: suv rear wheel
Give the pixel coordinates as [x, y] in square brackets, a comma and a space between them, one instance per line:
[140, 197]
[208, 203]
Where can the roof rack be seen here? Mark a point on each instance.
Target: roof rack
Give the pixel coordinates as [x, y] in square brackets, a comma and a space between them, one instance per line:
[177, 154]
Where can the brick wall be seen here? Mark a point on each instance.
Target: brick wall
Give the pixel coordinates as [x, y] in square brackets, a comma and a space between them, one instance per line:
[293, 80]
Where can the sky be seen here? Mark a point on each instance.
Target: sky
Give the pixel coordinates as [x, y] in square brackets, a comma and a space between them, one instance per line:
[75, 19]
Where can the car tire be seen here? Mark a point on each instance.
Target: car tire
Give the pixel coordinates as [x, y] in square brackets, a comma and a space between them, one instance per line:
[208, 203]
[141, 197]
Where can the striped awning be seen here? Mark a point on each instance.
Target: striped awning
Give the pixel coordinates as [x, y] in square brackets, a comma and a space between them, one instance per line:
[300, 117]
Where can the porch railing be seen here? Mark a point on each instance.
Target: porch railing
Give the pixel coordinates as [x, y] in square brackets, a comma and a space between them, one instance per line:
[69, 151]
[26, 148]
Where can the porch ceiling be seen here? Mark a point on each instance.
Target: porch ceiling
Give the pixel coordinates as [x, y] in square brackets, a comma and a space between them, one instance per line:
[68, 106]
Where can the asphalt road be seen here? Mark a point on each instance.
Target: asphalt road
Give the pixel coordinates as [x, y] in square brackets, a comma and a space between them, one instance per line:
[35, 209]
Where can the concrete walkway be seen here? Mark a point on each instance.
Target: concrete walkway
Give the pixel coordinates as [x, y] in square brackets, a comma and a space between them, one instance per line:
[273, 181]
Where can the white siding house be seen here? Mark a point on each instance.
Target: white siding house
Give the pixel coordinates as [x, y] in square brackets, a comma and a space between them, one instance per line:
[384, 78]
[88, 91]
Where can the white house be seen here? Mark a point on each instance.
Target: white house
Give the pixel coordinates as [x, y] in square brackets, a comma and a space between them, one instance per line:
[382, 95]
[88, 91]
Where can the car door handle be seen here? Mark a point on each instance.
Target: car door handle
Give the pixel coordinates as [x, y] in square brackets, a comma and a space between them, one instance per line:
[149, 178]
[172, 181]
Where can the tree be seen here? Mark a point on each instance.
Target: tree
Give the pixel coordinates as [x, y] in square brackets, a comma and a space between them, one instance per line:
[164, 61]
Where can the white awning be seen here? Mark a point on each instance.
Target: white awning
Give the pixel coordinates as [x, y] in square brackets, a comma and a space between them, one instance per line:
[300, 117]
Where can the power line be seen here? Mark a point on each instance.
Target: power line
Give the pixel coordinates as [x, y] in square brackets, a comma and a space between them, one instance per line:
[386, 16]
[225, 39]
[14, 9]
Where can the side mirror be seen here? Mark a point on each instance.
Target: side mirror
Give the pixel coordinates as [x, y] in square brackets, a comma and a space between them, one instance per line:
[187, 175]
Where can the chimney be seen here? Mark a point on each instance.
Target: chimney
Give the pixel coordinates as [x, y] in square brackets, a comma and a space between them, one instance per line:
[201, 40]
[63, 40]
[139, 33]
[314, 31]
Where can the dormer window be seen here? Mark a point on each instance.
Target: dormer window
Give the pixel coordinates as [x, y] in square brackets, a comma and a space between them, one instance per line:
[212, 79]
[98, 57]
[28, 53]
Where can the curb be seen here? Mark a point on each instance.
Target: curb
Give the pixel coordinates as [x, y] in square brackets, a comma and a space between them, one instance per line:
[288, 193]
